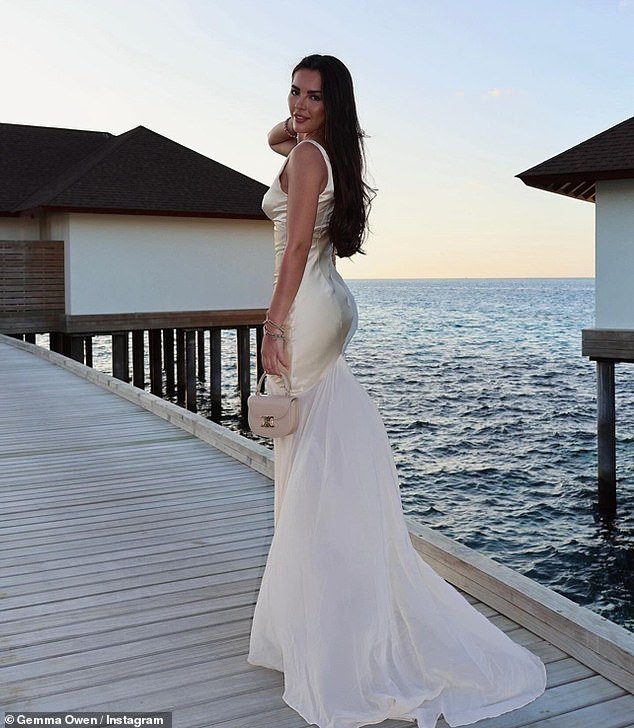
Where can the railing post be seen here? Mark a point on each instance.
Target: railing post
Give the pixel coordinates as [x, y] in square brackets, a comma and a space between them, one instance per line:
[215, 373]
[190, 371]
[138, 358]
[201, 354]
[181, 368]
[244, 367]
[169, 361]
[88, 347]
[120, 356]
[156, 362]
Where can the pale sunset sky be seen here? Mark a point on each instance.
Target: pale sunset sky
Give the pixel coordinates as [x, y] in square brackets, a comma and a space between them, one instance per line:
[457, 97]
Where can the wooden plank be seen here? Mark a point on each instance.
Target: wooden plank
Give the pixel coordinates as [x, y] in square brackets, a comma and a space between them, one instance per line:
[567, 670]
[116, 578]
[116, 654]
[74, 602]
[107, 323]
[89, 517]
[221, 501]
[28, 620]
[615, 713]
[106, 538]
[615, 344]
[284, 717]
[134, 667]
[30, 321]
[154, 580]
[125, 635]
[71, 622]
[207, 679]
[223, 599]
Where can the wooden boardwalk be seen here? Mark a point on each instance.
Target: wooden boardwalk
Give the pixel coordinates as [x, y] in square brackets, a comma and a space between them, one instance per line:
[132, 552]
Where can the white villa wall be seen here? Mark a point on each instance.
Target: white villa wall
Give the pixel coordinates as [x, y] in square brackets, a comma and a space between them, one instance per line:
[615, 254]
[24, 227]
[135, 263]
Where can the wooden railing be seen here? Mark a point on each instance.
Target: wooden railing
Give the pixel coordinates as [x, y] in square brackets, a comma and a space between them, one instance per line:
[31, 285]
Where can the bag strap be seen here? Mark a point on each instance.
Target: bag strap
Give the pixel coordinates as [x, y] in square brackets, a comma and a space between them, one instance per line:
[285, 379]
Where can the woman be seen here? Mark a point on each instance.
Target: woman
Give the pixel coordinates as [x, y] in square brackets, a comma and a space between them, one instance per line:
[361, 627]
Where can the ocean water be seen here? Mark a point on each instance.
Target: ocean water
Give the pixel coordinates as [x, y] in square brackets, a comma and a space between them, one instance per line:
[491, 412]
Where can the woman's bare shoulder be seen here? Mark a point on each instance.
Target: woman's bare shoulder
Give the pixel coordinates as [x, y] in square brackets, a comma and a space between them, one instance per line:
[307, 156]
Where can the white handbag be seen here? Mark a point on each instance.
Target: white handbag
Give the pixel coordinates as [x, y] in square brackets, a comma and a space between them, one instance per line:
[273, 415]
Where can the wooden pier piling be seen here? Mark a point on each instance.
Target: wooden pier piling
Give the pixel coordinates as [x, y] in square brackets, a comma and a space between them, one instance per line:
[181, 368]
[190, 371]
[75, 346]
[606, 436]
[156, 362]
[120, 356]
[607, 347]
[215, 373]
[244, 367]
[88, 350]
[169, 362]
[200, 348]
[138, 358]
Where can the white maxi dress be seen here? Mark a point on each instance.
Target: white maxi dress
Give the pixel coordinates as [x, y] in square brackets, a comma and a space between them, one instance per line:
[362, 628]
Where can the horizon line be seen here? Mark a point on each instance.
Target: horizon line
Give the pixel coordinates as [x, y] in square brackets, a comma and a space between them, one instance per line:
[471, 278]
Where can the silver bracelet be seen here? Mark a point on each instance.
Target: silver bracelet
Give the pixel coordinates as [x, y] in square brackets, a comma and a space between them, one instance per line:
[275, 325]
[274, 336]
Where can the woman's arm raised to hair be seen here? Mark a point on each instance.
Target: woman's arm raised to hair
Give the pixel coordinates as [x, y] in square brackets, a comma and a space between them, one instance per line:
[279, 140]
[305, 172]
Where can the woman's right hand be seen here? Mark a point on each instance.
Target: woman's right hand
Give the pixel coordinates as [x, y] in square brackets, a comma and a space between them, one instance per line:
[281, 140]
[274, 356]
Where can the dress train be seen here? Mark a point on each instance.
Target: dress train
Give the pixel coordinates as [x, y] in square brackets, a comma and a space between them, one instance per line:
[362, 628]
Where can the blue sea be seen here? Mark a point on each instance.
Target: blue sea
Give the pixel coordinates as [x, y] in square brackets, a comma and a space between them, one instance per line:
[491, 412]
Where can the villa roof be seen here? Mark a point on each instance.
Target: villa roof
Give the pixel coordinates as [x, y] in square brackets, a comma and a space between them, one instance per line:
[608, 155]
[139, 172]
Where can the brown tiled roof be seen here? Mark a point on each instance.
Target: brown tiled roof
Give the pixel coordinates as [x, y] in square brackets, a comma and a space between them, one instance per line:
[609, 155]
[139, 171]
[30, 156]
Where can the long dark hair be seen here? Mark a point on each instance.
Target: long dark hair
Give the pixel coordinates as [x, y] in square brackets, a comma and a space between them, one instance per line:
[344, 144]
